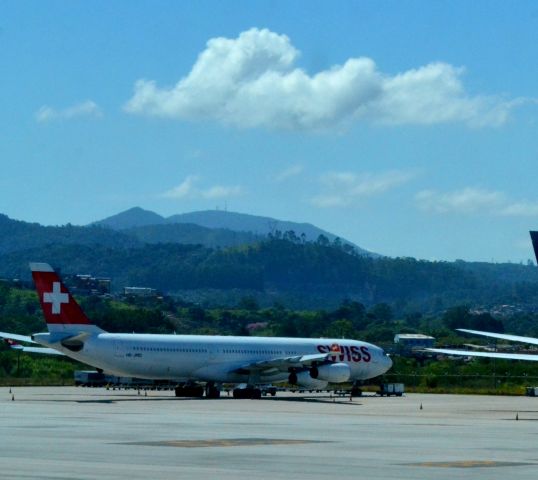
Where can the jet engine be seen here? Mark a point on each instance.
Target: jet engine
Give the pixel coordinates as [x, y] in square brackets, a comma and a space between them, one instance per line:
[304, 379]
[331, 372]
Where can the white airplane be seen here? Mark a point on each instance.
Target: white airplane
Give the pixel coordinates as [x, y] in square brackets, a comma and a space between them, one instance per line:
[188, 359]
[501, 336]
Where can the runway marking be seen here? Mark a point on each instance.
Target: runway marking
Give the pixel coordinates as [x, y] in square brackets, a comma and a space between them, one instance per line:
[223, 442]
[469, 464]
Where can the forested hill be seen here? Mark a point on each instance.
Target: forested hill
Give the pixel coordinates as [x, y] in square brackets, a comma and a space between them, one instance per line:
[192, 234]
[16, 235]
[297, 274]
[153, 226]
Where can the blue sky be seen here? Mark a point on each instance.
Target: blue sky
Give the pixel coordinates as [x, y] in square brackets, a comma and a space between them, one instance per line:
[406, 127]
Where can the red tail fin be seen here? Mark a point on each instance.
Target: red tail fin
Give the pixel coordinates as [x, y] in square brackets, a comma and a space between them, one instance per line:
[59, 307]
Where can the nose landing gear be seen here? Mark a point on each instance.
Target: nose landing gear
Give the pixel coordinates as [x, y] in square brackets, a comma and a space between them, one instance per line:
[356, 390]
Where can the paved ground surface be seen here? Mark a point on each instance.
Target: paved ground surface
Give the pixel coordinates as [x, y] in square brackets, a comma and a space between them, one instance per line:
[78, 433]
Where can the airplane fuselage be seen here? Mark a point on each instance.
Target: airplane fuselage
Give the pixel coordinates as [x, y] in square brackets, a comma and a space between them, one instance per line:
[213, 358]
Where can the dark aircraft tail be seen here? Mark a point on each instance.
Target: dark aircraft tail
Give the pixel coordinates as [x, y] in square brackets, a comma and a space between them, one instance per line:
[534, 238]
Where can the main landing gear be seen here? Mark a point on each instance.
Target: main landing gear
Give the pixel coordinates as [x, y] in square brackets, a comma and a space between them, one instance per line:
[212, 390]
[189, 390]
[197, 391]
[248, 392]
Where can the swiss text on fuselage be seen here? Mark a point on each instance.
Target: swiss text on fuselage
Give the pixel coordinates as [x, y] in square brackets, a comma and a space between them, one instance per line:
[351, 353]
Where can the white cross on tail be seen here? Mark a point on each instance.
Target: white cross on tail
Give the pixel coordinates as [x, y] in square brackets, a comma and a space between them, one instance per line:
[56, 297]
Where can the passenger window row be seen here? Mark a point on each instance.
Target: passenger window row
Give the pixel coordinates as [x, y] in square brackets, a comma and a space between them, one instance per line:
[163, 349]
[261, 352]
[204, 350]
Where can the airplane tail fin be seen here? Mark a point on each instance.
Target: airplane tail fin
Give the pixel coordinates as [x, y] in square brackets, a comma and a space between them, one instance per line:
[534, 238]
[62, 312]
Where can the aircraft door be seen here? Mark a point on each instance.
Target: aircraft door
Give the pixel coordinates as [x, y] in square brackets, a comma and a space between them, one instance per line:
[119, 349]
[213, 352]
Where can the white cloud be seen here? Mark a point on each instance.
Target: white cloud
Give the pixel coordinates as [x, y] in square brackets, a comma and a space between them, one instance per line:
[289, 172]
[520, 209]
[87, 108]
[221, 191]
[345, 188]
[184, 189]
[188, 189]
[467, 200]
[435, 94]
[253, 81]
[474, 200]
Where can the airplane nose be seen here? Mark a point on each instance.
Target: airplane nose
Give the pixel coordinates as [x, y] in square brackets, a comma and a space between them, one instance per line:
[386, 361]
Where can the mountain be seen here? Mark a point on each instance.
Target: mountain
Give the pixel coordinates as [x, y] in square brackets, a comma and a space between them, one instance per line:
[134, 217]
[242, 222]
[256, 226]
[136, 227]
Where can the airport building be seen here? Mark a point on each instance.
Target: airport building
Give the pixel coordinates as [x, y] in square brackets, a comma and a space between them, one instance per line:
[88, 284]
[139, 291]
[406, 343]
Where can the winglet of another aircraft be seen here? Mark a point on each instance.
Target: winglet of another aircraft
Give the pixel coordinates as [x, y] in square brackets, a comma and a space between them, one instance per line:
[534, 238]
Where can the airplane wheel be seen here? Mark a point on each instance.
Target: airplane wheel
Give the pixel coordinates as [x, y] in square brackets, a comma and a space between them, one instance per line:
[254, 393]
[212, 392]
[238, 393]
[189, 391]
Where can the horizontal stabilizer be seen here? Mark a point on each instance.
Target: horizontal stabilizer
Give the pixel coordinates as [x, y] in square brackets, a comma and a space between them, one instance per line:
[17, 337]
[12, 340]
[41, 350]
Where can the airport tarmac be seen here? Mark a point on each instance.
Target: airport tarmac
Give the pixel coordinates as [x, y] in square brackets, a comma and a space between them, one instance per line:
[83, 433]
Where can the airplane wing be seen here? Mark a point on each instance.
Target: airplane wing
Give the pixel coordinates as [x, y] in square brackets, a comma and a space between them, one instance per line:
[283, 364]
[504, 356]
[502, 336]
